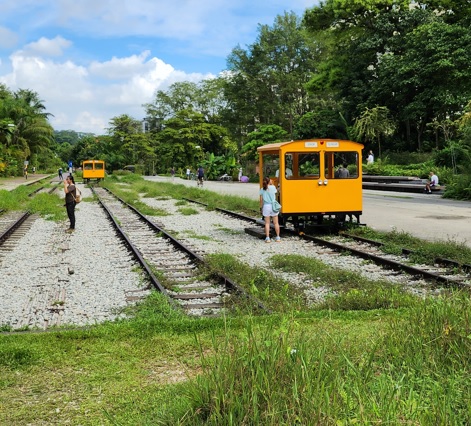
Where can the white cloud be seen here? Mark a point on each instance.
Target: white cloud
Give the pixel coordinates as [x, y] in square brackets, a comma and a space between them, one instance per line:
[85, 98]
[48, 47]
[65, 56]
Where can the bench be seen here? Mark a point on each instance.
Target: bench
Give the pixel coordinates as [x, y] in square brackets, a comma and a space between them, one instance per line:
[402, 187]
[391, 179]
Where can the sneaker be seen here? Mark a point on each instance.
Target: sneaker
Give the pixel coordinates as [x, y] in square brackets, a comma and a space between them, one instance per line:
[267, 240]
[70, 230]
[278, 239]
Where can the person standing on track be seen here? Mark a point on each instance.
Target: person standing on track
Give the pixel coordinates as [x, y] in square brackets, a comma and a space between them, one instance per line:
[70, 194]
[60, 173]
[267, 195]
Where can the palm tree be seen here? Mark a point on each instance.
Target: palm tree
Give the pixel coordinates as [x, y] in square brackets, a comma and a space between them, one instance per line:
[374, 123]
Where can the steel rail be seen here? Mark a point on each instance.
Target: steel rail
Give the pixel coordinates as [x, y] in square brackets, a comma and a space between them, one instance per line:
[153, 279]
[397, 266]
[13, 227]
[407, 252]
[223, 279]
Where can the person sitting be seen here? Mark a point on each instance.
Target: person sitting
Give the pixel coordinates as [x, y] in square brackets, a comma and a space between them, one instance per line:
[288, 173]
[342, 172]
[432, 183]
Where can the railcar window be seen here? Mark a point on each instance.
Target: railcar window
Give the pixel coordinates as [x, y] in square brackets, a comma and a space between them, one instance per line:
[341, 165]
[88, 166]
[303, 165]
[271, 163]
[99, 166]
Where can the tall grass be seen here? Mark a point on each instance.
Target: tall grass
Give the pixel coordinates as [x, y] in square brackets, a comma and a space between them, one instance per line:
[415, 371]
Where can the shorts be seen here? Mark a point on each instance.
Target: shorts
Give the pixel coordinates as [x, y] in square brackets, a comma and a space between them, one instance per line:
[268, 211]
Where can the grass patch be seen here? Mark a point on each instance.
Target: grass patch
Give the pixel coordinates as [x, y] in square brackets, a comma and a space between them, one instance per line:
[48, 206]
[278, 375]
[161, 367]
[228, 231]
[181, 192]
[350, 290]
[276, 294]
[192, 234]
[188, 211]
[424, 252]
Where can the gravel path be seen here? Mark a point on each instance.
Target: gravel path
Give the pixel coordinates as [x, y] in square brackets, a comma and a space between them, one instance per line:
[217, 233]
[55, 278]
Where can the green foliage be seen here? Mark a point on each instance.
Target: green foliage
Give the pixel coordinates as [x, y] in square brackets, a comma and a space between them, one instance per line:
[424, 252]
[323, 123]
[373, 124]
[264, 135]
[348, 290]
[274, 292]
[24, 129]
[188, 211]
[49, 206]
[459, 187]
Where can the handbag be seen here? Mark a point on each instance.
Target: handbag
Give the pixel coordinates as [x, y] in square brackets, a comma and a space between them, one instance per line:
[275, 205]
[78, 196]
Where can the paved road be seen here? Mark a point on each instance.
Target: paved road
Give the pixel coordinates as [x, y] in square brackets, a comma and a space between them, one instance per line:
[422, 215]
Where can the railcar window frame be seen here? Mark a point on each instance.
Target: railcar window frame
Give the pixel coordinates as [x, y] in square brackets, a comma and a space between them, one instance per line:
[302, 165]
[350, 158]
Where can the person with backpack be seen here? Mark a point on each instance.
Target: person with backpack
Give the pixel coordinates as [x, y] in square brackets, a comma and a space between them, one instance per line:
[70, 194]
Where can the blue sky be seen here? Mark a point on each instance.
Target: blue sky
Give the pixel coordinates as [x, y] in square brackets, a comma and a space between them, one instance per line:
[91, 60]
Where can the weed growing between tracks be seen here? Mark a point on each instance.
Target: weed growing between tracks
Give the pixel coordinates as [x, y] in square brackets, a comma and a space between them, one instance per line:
[349, 290]
[424, 251]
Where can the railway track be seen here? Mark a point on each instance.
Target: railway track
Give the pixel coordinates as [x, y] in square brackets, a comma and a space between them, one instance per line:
[444, 272]
[15, 224]
[177, 271]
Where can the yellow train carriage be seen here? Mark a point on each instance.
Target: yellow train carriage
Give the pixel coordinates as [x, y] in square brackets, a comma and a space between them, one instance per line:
[316, 179]
[93, 169]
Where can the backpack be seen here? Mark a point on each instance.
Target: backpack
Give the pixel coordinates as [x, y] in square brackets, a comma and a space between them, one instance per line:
[78, 196]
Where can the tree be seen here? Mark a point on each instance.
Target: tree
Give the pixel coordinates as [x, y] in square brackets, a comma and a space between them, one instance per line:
[27, 132]
[267, 81]
[323, 123]
[373, 124]
[264, 135]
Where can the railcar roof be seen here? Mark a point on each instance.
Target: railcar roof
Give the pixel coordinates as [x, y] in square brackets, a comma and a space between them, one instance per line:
[278, 145]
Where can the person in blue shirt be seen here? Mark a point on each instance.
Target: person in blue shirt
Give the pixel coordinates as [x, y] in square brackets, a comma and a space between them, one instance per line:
[267, 195]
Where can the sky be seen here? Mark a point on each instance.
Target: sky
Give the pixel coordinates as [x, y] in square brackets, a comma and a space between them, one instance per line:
[92, 60]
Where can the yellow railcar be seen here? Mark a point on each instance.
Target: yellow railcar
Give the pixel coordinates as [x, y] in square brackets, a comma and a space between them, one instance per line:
[317, 179]
[93, 169]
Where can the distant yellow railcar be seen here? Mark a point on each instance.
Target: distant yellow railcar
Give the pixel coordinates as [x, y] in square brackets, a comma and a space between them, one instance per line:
[317, 179]
[93, 169]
